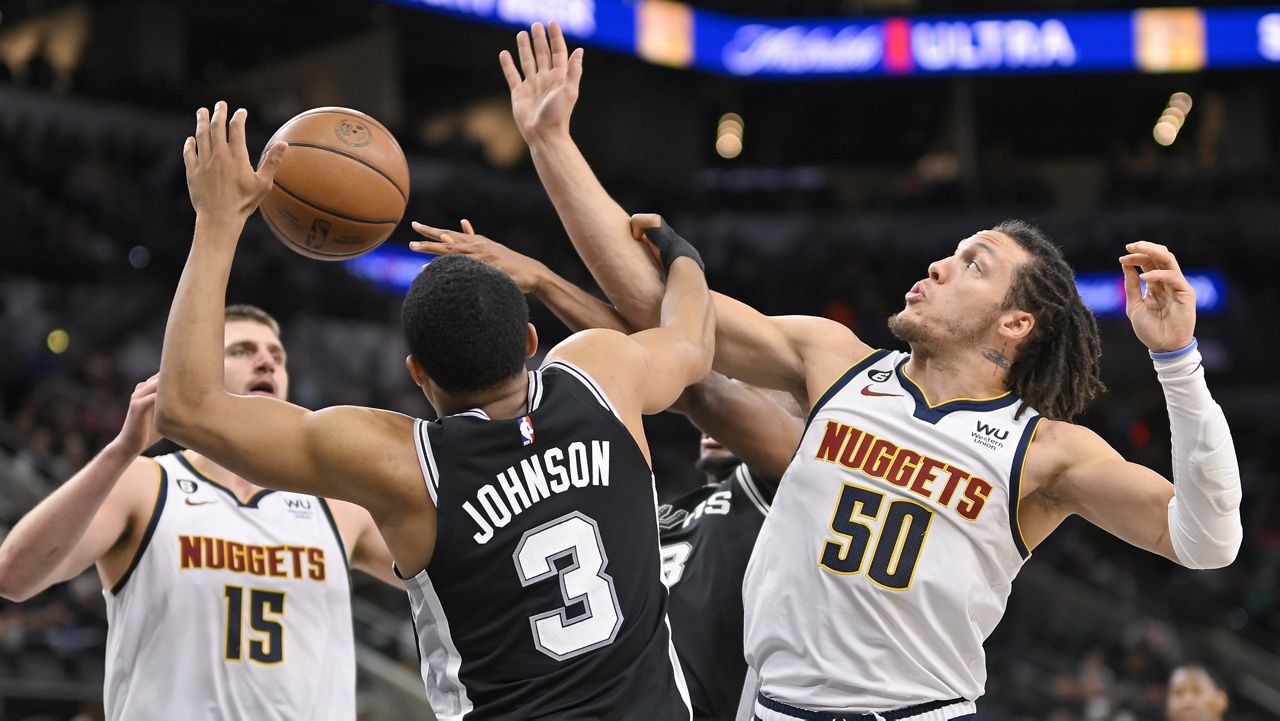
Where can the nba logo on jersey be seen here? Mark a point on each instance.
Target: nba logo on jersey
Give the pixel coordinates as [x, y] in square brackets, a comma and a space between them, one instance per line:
[526, 430]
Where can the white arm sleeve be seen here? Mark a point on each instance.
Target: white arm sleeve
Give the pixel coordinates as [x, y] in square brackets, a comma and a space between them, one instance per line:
[1204, 513]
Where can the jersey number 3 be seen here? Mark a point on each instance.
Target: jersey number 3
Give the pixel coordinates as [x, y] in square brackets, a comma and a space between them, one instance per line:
[573, 539]
[897, 547]
[268, 647]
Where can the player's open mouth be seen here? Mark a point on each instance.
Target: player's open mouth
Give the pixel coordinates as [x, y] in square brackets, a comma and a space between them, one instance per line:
[263, 387]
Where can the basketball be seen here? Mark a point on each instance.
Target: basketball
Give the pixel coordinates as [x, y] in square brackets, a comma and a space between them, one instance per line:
[342, 187]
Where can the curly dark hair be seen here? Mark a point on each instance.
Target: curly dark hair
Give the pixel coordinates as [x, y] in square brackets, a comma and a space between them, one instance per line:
[464, 322]
[1056, 370]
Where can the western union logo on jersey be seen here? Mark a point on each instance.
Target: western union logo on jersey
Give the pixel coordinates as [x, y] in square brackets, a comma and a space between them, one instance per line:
[218, 554]
[858, 450]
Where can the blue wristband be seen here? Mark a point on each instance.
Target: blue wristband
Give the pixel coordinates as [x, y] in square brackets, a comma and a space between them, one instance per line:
[1172, 354]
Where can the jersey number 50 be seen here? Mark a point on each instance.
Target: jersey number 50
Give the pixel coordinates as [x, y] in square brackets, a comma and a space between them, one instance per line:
[897, 547]
[583, 583]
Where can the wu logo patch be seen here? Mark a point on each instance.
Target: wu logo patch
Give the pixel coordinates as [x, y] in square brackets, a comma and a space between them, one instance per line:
[526, 430]
[187, 486]
[989, 437]
[993, 431]
[299, 508]
[880, 376]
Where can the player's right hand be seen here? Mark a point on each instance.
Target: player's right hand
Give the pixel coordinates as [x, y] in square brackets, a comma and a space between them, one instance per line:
[543, 101]
[139, 430]
[525, 271]
[221, 180]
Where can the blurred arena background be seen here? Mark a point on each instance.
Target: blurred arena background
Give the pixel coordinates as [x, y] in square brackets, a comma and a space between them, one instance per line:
[819, 167]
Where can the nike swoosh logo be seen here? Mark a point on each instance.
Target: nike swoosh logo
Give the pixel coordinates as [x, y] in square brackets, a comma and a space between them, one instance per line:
[197, 503]
[866, 391]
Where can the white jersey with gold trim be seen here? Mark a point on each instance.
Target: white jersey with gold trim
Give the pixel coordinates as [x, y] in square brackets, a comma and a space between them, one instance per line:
[231, 610]
[890, 549]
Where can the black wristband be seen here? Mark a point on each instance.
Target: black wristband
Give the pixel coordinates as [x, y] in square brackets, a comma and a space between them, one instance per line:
[671, 246]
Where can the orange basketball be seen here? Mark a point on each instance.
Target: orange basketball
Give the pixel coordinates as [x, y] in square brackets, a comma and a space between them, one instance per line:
[342, 187]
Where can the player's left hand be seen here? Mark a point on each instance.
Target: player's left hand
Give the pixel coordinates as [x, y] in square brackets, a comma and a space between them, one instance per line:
[220, 178]
[525, 271]
[1164, 318]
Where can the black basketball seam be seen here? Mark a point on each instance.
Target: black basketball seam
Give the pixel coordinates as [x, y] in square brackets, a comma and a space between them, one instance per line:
[327, 256]
[349, 114]
[334, 213]
[358, 159]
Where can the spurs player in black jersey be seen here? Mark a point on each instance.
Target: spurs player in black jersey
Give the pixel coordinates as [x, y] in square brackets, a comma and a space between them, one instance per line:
[707, 533]
[524, 519]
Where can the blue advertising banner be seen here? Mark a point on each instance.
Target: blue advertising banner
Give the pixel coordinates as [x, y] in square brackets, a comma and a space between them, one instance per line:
[1157, 40]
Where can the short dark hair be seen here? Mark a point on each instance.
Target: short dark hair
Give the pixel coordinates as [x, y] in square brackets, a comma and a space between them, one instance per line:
[464, 322]
[1056, 370]
[244, 311]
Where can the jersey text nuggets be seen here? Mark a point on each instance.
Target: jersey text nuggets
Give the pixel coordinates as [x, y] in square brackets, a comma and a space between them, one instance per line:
[555, 470]
[928, 477]
[270, 561]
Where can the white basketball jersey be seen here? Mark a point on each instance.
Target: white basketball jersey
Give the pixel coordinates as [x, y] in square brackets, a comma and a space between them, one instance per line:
[231, 610]
[888, 555]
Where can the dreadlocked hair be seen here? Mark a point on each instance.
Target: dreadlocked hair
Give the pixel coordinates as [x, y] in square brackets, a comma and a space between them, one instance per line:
[1056, 369]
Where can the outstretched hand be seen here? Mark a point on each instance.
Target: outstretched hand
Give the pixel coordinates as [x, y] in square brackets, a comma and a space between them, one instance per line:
[139, 430]
[543, 101]
[1164, 318]
[220, 178]
[525, 271]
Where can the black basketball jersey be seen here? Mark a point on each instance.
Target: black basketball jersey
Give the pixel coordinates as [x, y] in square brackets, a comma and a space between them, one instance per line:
[707, 537]
[543, 598]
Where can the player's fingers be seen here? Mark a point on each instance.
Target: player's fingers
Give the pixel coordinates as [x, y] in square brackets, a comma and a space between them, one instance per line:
[509, 69]
[1132, 286]
[640, 222]
[524, 49]
[575, 68]
[218, 123]
[189, 155]
[202, 132]
[431, 246]
[235, 134]
[1161, 256]
[428, 231]
[271, 161]
[467, 228]
[1170, 279]
[541, 50]
[559, 50]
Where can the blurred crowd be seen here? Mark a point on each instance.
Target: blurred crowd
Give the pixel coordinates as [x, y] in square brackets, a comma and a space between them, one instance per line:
[95, 233]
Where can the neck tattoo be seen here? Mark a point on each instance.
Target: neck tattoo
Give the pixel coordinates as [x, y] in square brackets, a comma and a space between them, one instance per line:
[996, 357]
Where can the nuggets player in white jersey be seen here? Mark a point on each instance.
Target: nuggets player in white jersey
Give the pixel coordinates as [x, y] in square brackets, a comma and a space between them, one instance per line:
[925, 479]
[245, 590]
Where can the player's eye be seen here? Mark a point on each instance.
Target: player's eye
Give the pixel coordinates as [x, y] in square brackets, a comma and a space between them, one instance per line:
[974, 265]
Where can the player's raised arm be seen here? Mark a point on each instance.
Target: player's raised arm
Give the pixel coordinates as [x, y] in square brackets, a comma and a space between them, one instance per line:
[88, 516]
[1195, 521]
[801, 355]
[576, 308]
[276, 443]
[544, 89]
[646, 372]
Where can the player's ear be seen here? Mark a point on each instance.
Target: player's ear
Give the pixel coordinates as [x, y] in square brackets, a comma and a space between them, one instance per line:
[416, 371]
[531, 341]
[1016, 325]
